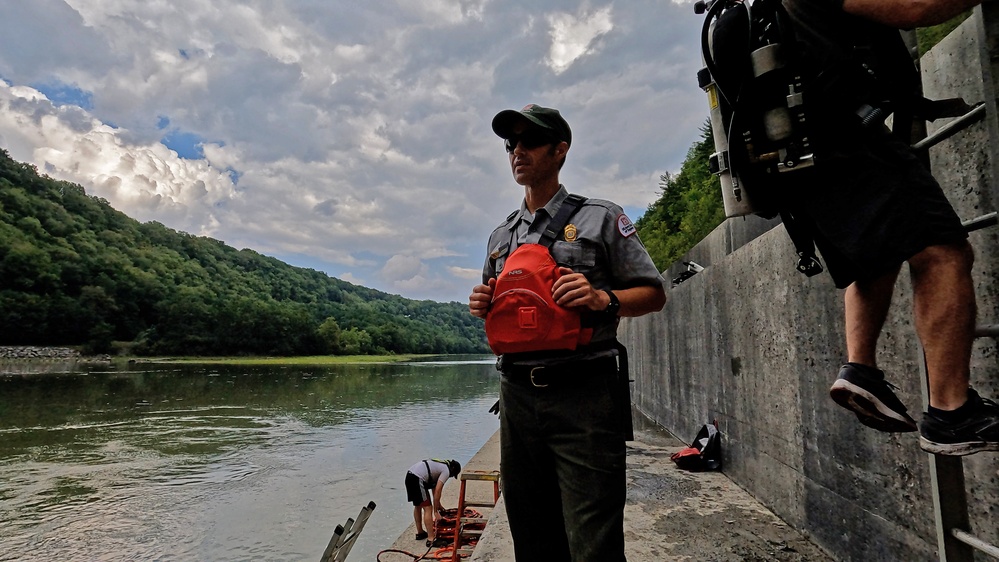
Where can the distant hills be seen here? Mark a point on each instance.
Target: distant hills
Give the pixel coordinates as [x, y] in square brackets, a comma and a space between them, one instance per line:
[75, 271]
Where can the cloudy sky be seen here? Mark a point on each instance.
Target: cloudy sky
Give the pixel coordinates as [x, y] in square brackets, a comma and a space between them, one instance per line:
[347, 136]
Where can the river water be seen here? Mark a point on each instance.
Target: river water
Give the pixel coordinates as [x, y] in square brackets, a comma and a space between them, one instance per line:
[219, 463]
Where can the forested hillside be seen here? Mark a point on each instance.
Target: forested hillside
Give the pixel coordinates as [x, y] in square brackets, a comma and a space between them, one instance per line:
[688, 209]
[74, 271]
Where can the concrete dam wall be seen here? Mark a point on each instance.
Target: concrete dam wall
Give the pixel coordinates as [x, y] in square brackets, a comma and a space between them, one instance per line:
[751, 342]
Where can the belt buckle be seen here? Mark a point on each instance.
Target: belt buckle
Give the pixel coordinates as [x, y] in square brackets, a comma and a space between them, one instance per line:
[534, 382]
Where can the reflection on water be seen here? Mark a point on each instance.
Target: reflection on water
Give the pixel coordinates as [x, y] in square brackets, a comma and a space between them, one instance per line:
[225, 463]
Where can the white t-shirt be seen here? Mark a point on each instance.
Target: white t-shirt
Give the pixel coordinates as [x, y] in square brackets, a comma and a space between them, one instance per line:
[439, 472]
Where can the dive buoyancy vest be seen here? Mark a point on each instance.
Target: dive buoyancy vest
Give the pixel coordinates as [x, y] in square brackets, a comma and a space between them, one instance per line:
[523, 315]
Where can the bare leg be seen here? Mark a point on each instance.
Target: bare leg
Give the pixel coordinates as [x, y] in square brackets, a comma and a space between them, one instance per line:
[428, 520]
[945, 310]
[866, 304]
[417, 516]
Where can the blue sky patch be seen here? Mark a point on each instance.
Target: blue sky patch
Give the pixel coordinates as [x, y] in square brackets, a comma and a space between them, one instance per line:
[186, 145]
[66, 94]
[234, 175]
[634, 213]
[189, 145]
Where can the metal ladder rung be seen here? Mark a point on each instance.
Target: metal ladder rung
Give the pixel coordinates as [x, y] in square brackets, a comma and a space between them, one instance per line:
[950, 129]
[480, 504]
[950, 495]
[981, 222]
[987, 330]
[947, 473]
[975, 542]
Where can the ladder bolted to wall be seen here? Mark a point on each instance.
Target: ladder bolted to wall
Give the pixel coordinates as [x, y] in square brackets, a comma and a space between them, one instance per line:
[950, 504]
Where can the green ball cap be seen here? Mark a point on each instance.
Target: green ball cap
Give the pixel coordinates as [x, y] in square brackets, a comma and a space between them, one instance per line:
[543, 117]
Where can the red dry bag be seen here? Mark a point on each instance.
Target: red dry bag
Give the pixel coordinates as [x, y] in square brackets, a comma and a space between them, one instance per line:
[523, 315]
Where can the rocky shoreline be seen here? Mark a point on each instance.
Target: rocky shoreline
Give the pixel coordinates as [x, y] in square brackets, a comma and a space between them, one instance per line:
[35, 359]
[37, 352]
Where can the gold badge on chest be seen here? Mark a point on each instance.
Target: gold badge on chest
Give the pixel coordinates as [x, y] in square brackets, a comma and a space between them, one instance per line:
[570, 233]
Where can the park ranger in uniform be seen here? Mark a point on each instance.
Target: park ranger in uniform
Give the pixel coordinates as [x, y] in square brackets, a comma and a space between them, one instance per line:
[564, 418]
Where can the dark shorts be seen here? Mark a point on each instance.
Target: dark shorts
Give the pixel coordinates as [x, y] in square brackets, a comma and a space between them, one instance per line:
[872, 205]
[415, 492]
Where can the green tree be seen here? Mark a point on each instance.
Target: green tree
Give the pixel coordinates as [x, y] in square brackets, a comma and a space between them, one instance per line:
[355, 342]
[688, 209]
[329, 334]
[100, 311]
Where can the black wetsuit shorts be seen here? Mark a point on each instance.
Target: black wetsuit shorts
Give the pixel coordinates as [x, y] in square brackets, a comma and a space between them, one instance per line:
[871, 205]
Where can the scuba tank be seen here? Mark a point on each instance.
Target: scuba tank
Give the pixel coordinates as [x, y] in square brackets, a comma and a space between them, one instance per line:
[755, 99]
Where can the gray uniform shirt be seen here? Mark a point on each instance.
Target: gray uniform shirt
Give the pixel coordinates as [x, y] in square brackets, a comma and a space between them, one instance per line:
[599, 241]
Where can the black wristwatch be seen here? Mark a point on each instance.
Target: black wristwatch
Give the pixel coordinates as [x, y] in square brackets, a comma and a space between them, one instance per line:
[614, 306]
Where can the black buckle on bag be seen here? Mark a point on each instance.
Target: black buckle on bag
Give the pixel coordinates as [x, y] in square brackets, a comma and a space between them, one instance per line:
[535, 382]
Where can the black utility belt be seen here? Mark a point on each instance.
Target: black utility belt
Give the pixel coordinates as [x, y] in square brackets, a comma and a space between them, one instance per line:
[542, 376]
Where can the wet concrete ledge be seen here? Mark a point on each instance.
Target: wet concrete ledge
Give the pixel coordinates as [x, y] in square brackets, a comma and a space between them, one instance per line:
[671, 515]
[487, 459]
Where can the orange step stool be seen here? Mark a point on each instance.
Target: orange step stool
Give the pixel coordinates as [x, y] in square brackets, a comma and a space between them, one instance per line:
[459, 526]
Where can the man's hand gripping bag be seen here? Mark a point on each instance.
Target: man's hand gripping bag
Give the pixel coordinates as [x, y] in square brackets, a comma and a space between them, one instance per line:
[523, 316]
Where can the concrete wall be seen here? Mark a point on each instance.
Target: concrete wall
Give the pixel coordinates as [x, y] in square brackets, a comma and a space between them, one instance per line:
[754, 344]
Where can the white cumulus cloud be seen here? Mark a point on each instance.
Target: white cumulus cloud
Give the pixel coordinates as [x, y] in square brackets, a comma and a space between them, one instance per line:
[574, 36]
[349, 137]
[147, 181]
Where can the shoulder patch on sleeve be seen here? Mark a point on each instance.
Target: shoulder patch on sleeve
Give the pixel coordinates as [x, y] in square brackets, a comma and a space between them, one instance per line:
[625, 226]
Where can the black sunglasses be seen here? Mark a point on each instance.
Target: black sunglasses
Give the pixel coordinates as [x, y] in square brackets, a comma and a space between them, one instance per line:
[529, 140]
